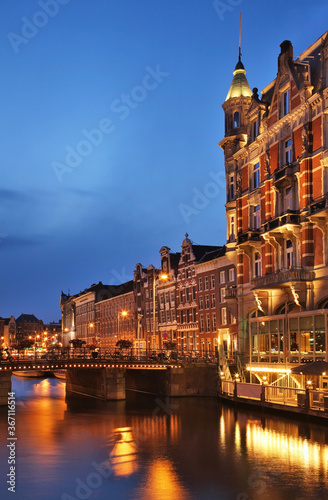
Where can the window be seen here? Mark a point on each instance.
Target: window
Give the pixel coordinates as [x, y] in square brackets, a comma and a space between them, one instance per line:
[255, 129]
[255, 217]
[187, 295]
[207, 301]
[167, 297]
[201, 323]
[162, 299]
[168, 316]
[212, 281]
[173, 314]
[208, 323]
[222, 277]
[231, 274]
[194, 314]
[256, 175]
[233, 319]
[201, 303]
[232, 188]
[236, 119]
[181, 316]
[172, 298]
[288, 198]
[162, 316]
[232, 225]
[224, 315]
[289, 254]
[288, 152]
[206, 283]
[285, 103]
[200, 284]
[193, 293]
[257, 265]
[181, 296]
[222, 294]
[188, 315]
[214, 321]
[213, 301]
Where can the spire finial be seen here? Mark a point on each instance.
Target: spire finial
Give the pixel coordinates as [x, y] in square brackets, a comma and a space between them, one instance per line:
[240, 38]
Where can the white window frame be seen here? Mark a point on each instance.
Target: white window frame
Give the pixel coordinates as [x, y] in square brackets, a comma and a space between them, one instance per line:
[231, 274]
[222, 277]
[256, 175]
[224, 319]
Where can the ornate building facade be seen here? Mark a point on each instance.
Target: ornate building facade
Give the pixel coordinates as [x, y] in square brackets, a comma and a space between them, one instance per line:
[276, 163]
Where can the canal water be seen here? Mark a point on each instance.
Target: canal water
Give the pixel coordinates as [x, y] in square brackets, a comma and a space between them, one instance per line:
[156, 449]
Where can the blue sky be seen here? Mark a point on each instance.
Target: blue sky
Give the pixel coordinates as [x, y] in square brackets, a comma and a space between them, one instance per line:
[111, 116]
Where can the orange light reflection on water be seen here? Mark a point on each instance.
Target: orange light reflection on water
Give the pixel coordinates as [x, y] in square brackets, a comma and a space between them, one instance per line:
[161, 483]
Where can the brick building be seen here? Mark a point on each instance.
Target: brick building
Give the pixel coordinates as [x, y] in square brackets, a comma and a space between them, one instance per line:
[115, 316]
[276, 163]
[217, 320]
[28, 325]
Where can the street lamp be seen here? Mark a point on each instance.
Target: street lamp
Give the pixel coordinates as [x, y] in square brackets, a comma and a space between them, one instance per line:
[162, 277]
[123, 314]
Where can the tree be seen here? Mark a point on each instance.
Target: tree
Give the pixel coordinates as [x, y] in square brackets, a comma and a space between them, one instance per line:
[170, 346]
[77, 343]
[26, 343]
[124, 344]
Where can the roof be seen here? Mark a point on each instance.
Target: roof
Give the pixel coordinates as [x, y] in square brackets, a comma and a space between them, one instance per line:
[27, 318]
[214, 254]
[201, 250]
[239, 86]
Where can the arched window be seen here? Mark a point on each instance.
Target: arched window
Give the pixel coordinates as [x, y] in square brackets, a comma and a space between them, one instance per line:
[236, 119]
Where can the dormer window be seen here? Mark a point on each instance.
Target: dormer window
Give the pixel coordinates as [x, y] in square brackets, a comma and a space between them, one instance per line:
[255, 129]
[236, 119]
[285, 103]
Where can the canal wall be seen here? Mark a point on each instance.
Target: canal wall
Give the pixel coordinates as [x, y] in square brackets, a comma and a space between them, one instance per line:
[5, 388]
[102, 383]
[175, 382]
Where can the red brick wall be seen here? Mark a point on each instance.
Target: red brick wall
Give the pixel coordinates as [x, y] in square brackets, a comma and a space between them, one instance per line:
[274, 152]
[317, 178]
[318, 247]
[297, 143]
[316, 132]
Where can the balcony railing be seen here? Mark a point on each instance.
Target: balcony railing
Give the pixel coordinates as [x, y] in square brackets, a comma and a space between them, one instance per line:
[287, 170]
[290, 217]
[231, 292]
[283, 276]
[318, 205]
[249, 235]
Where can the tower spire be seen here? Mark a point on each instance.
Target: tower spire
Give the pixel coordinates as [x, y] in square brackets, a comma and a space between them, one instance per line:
[239, 54]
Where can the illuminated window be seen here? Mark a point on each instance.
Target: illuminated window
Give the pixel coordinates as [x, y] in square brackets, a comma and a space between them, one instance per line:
[201, 303]
[200, 284]
[224, 315]
[222, 294]
[222, 277]
[214, 321]
[231, 274]
[232, 225]
[212, 281]
[201, 323]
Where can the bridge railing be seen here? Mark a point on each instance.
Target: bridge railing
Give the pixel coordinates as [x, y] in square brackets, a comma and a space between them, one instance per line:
[102, 354]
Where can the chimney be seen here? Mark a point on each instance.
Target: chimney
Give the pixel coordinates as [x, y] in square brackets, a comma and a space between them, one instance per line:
[286, 53]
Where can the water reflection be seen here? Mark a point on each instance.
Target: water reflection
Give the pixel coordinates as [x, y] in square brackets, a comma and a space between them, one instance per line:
[192, 449]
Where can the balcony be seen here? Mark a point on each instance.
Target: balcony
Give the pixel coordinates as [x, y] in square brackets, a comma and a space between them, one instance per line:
[286, 171]
[318, 205]
[249, 235]
[290, 217]
[295, 274]
[231, 292]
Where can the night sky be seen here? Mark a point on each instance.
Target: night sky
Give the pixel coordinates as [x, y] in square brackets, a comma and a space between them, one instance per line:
[111, 117]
